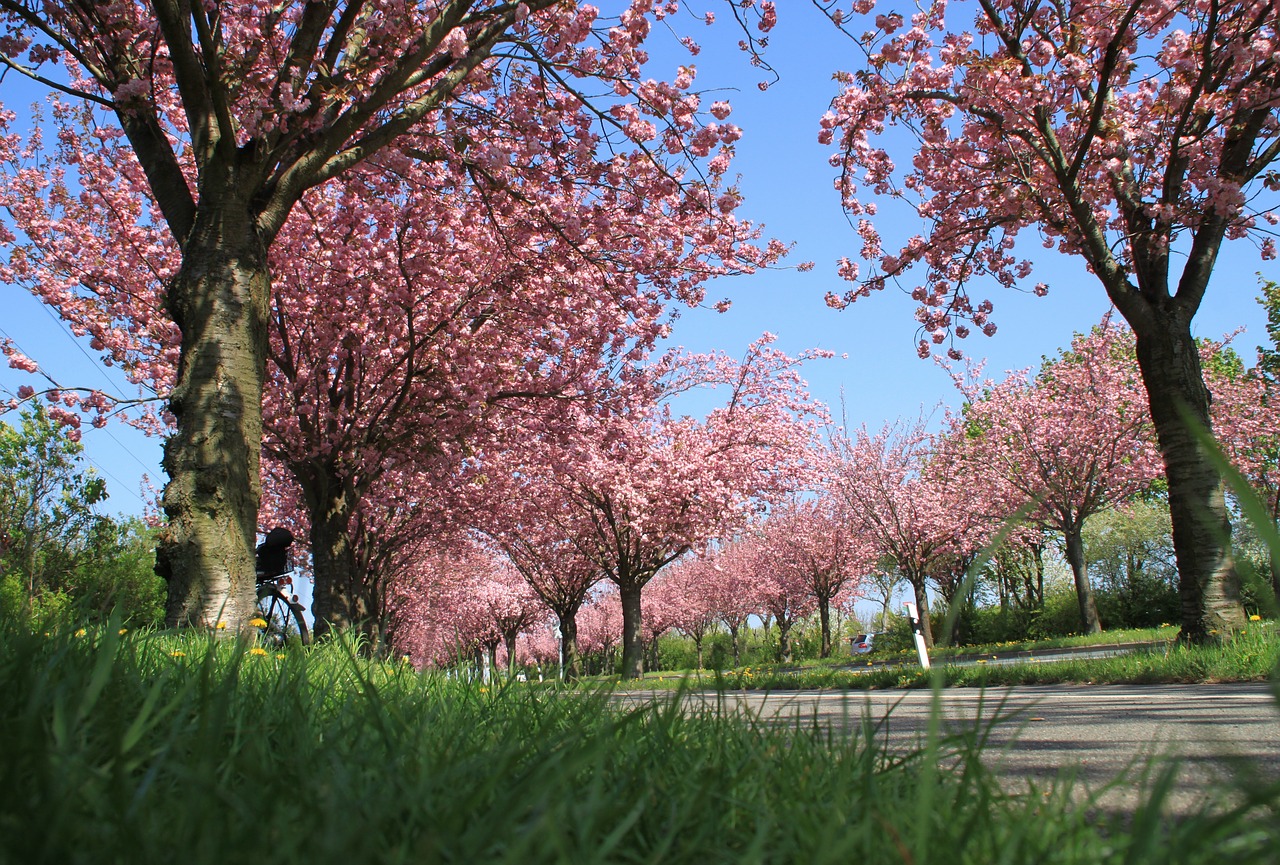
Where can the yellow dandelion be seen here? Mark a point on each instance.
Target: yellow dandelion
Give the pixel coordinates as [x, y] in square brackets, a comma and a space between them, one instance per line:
[1255, 618]
[123, 631]
[258, 622]
[257, 650]
[279, 656]
[177, 653]
[222, 626]
[80, 633]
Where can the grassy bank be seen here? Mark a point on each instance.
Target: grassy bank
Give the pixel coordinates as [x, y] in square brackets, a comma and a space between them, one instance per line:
[1251, 656]
[144, 748]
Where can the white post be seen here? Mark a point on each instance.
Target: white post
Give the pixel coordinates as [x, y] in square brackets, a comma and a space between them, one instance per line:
[918, 632]
[560, 647]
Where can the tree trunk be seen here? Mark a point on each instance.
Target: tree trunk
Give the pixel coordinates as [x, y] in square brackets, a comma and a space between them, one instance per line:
[632, 641]
[733, 641]
[1039, 596]
[569, 657]
[219, 301]
[1208, 586]
[824, 616]
[697, 642]
[1274, 558]
[344, 598]
[509, 640]
[784, 641]
[922, 607]
[1089, 622]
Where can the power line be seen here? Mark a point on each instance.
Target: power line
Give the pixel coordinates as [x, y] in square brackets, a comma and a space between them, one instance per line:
[119, 444]
[62, 326]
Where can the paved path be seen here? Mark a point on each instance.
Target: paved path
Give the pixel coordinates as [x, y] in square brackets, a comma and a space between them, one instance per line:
[1219, 732]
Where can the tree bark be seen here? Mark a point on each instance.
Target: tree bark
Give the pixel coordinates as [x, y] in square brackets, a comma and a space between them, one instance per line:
[509, 637]
[343, 597]
[1038, 604]
[1208, 586]
[572, 670]
[1089, 622]
[824, 616]
[632, 642]
[922, 607]
[1273, 557]
[784, 641]
[219, 301]
[733, 641]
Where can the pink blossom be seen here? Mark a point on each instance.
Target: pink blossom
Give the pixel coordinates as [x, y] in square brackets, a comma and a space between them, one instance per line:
[455, 43]
[18, 360]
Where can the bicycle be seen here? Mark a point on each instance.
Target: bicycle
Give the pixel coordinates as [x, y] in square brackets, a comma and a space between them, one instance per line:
[280, 613]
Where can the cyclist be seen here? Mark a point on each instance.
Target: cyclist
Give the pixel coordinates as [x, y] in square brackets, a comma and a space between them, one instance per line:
[272, 556]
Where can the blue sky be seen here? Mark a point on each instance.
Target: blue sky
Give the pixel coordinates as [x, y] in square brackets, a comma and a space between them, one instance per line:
[786, 181]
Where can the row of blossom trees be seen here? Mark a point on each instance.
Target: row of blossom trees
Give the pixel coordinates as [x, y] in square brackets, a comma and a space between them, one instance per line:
[305, 226]
[746, 513]
[389, 250]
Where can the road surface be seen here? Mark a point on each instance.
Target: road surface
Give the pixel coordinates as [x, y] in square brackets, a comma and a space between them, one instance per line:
[1226, 732]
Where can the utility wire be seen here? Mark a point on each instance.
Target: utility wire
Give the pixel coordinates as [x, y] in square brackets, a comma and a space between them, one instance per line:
[123, 447]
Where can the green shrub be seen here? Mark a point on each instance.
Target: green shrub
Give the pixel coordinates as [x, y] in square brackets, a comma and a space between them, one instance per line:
[1059, 617]
[992, 625]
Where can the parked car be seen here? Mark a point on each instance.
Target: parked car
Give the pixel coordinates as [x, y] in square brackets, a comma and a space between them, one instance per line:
[863, 644]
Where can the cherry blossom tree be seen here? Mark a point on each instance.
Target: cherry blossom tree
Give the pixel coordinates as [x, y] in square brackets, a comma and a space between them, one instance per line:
[376, 257]
[813, 539]
[578, 302]
[686, 600]
[914, 512]
[1075, 440]
[234, 111]
[652, 486]
[1136, 134]
[731, 592]
[600, 628]
[513, 607]
[782, 585]
[431, 621]
[459, 598]
[377, 254]
[540, 649]
[658, 617]
[539, 533]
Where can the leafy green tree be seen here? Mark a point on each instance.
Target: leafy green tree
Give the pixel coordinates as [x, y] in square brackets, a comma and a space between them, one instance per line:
[1131, 560]
[58, 555]
[1269, 356]
[115, 570]
[46, 499]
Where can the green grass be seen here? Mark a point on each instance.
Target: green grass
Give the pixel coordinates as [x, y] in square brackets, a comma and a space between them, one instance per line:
[139, 748]
[1252, 655]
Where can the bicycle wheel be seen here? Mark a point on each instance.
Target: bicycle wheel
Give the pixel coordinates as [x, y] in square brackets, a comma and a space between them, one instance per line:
[282, 617]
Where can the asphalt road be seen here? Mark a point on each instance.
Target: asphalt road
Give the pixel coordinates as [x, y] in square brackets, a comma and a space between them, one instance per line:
[1104, 733]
